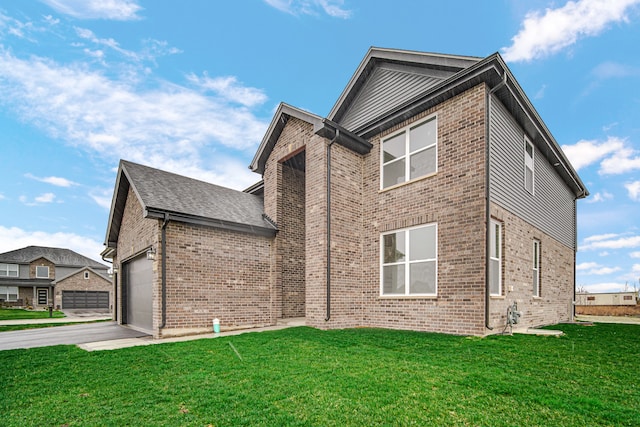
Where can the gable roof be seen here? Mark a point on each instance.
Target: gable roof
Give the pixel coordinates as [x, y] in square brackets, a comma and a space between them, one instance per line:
[397, 84]
[323, 127]
[58, 256]
[388, 78]
[73, 273]
[165, 195]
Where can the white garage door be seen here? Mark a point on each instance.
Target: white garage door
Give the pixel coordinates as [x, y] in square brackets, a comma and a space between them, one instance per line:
[138, 277]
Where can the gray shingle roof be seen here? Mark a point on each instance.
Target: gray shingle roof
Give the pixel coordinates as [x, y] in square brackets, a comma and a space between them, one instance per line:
[186, 199]
[58, 256]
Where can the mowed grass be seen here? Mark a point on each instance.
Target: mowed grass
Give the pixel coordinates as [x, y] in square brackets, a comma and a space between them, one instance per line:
[307, 377]
[18, 314]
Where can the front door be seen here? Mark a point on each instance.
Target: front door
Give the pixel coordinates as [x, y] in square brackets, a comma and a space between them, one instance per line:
[43, 296]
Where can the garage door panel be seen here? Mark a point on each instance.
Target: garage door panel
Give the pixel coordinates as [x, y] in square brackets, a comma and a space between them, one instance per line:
[85, 299]
[139, 279]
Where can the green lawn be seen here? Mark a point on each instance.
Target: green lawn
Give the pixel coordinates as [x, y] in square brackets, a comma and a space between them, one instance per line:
[363, 377]
[17, 313]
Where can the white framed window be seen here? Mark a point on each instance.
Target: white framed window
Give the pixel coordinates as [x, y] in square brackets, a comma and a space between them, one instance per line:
[536, 268]
[409, 262]
[495, 258]
[9, 270]
[42, 272]
[410, 153]
[9, 293]
[86, 274]
[529, 176]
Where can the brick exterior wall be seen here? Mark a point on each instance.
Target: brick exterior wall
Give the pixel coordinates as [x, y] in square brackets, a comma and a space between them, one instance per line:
[214, 273]
[42, 262]
[292, 223]
[554, 304]
[136, 235]
[454, 199]
[77, 282]
[33, 297]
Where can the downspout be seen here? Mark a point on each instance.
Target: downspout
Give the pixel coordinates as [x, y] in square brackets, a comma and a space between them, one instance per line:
[575, 256]
[163, 261]
[487, 262]
[328, 317]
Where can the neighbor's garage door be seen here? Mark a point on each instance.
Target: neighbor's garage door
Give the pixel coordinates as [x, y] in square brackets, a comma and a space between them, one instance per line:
[138, 277]
[85, 299]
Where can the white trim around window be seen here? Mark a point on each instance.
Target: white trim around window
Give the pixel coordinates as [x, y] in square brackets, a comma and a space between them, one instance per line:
[86, 275]
[9, 270]
[409, 153]
[529, 171]
[9, 293]
[40, 272]
[536, 268]
[409, 262]
[495, 258]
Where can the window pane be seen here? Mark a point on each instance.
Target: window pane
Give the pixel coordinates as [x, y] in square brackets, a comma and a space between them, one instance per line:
[394, 148]
[529, 148]
[494, 277]
[422, 243]
[422, 277]
[423, 163]
[422, 135]
[536, 282]
[42, 272]
[394, 247]
[393, 279]
[528, 179]
[393, 173]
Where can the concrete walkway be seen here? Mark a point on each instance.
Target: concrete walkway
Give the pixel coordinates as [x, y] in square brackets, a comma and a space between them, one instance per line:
[68, 319]
[147, 340]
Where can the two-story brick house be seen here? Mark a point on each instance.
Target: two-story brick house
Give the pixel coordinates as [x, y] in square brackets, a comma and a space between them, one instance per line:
[37, 276]
[431, 198]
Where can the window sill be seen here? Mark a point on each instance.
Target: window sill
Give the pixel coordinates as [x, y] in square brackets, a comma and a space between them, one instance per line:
[497, 297]
[402, 184]
[537, 298]
[405, 297]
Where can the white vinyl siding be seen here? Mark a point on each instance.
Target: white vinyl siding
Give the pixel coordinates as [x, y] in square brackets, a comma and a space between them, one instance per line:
[409, 262]
[8, 270]
[42, 272]
[529, 176]
[410, 153]
[9, 293]
[536, 268]
[495, 259]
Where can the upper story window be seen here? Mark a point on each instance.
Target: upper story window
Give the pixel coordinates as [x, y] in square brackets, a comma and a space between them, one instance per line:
[9, 270]
[410, 153]
[42, 272]
[529, 176]
[409, 261]
[86, 274]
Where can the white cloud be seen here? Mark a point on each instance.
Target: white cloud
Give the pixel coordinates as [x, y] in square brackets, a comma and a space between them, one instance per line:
[15, 238]
[229, 89]
[102, 197]
[333, 8]
[169, 126]
[118, 10]
[593, 268]
[45, 198]
[600, 197]
[635, 254]
[586, 266]
[53, 180]
[622, 161]
[604, 287]
[634, 190]
[584, 153]
[611, 242]
[544, 34]
[600, 237]
[613, 70]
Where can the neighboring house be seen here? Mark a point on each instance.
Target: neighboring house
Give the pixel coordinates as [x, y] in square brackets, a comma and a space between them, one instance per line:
[609, 298]
[431, 198]
[38, 277]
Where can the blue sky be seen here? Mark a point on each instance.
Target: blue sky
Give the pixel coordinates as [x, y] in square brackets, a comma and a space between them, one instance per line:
[190, 87]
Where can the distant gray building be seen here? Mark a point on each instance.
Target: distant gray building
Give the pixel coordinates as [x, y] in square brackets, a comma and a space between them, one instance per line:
[38, 276]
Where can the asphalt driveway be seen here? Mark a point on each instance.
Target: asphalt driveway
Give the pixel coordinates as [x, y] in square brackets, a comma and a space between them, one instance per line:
[71, 334]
